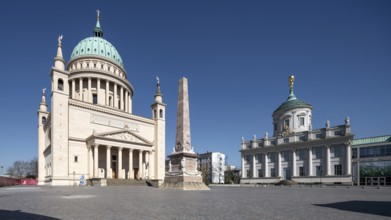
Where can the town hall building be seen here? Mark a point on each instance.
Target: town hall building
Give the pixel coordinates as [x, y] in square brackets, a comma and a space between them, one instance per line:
[90, 130]
[296, 151]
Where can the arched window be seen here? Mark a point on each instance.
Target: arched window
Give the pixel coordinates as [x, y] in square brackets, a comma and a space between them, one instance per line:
[154, 113]
[161, 113]
[60, 84]
[43, 120]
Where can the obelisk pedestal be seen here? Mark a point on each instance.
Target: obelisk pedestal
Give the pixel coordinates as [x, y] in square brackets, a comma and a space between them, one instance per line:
[183, 173]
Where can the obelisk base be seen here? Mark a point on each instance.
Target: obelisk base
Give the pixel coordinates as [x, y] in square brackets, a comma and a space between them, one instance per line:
[183, 174]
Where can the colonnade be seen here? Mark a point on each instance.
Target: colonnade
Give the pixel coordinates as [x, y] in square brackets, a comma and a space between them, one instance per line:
[119, 97]
[308, 164]
[144, 168]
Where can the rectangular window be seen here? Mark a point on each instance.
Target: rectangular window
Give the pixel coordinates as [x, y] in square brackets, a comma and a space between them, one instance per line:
[319, 171]
[247, 159]
[286, 156]
[94, 99]
[272, 172]
[301, 171]
[260, 173]
[318, 152]
[76, 159]
[286, 123]
[272, 157]
[259, 158]
[338, 169]
[354, 153]
[301, 154]
[337, 150]
[301, 121]
[286, 140]
[248, 173]
[114, 157]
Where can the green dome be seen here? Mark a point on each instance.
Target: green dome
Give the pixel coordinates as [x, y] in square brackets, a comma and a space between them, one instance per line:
[293, 102]
[97, 46]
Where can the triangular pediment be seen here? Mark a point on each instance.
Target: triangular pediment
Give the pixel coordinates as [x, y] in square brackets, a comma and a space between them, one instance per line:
[124, 135]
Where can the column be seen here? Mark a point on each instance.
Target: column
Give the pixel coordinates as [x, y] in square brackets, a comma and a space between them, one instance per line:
[107, 93]
[254, 167]
[147, 165]
[90, 162]
[97, 88]
[115, 100]
[265, 165]
[81, 89]
[309, 161]
[358, 166]
[108, 162]
[293, 162]
[279, 163]
[96, 158]
[120, 163]
[126, 101]
[89, 90]
[121, 98]
[328, 171]
[73, 88]
[243, 176]
[131, 172]
[140, 165]
[129, 103]
[348, 158]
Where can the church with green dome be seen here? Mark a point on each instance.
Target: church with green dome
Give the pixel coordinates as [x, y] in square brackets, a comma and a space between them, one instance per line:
[297, 153]
[90, 134]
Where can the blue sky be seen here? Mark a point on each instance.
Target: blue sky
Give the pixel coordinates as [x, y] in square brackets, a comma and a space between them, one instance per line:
[237, 56]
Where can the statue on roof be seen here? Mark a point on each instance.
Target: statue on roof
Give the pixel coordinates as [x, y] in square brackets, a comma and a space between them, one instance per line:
[59, 40]
[291, 81]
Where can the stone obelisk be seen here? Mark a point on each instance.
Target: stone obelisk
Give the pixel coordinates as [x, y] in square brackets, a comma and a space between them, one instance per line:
[182, 168]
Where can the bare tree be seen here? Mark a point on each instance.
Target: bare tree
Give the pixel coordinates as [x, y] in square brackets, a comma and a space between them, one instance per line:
[21, 168]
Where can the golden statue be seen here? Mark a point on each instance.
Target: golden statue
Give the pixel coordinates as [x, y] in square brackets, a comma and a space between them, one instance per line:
[291, 80]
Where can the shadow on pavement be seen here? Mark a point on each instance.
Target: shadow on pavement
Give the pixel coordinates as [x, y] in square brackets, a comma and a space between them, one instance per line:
[18, 214]
[367, 207]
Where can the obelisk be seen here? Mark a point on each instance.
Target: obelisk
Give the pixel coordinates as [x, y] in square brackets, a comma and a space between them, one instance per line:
[182, 169]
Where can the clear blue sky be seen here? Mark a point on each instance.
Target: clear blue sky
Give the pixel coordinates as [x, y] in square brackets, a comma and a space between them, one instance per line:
[237, 56]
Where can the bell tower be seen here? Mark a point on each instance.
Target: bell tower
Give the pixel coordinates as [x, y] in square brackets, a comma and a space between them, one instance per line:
[59, 118]
[159, 116]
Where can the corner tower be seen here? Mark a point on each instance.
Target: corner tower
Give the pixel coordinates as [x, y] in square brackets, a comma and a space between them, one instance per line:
[158, 115]
[59, 118]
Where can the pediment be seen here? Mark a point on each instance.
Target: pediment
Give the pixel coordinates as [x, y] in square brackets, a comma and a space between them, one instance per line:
[124, 135]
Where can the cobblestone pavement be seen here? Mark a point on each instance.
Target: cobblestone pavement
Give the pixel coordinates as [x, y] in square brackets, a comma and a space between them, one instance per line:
[221, 202]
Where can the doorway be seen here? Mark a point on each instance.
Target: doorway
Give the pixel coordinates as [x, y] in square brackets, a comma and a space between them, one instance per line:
[286, 174]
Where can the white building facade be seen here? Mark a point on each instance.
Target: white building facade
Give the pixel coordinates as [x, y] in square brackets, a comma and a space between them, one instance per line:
[213, 163]
[90, 130]
[297, 152]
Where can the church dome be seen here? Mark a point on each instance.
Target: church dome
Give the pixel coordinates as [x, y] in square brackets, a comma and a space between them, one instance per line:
[97, 46]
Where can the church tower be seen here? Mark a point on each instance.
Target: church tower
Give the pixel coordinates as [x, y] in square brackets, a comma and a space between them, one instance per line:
[59, 118]
[158, 115]
[42, 119]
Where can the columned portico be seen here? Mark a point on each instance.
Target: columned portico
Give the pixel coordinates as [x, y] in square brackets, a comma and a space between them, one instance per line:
[309, 161]
[140, 165]
[120, 163]
[108, 162]
[293, 162]
[131, 172]
[328, 171]
[96, 159]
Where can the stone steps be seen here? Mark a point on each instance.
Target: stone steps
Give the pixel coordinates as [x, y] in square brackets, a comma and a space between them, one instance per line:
[126, 182]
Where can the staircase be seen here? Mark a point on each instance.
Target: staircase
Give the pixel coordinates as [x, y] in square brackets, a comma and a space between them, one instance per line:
[126, 182]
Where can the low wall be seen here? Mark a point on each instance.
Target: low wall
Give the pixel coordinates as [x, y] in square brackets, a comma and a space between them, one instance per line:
[8, 181]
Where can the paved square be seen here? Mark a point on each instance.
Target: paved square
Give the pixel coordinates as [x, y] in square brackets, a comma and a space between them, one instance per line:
[221, 202]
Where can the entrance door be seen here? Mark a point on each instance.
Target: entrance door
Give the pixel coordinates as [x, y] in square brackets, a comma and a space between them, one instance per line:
[114, 170]
[287, 174]
[135, 170]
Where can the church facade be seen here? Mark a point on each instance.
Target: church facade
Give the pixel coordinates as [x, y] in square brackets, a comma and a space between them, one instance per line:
[297, 152]
[90, 130]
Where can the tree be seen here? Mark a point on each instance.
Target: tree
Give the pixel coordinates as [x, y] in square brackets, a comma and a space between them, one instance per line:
[21, 168]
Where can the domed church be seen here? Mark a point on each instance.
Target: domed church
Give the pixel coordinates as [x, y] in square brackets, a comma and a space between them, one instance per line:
[90, 132]
[297, 152]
